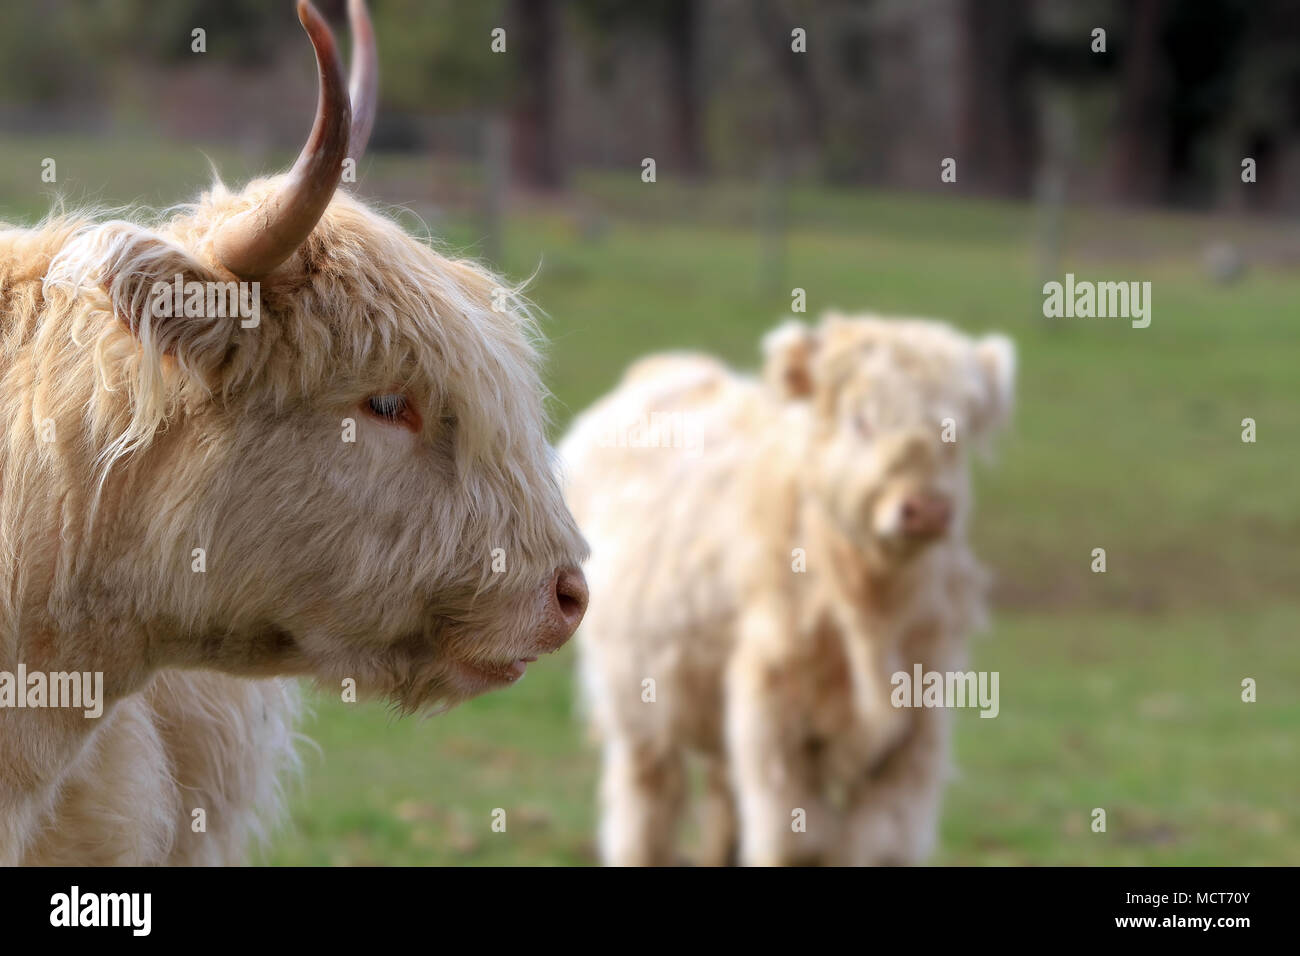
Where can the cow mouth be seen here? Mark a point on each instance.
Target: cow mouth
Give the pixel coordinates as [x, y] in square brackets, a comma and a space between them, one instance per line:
[483, 675]
[898, 550]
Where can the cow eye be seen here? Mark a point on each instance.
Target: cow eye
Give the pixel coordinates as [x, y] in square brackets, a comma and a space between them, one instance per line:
[395, 409]
[862, 425]
[387, 406]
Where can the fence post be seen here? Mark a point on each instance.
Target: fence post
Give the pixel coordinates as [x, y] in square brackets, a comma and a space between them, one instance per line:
[496, 164]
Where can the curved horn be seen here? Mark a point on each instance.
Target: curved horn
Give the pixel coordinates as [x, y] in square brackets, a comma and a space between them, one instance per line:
[257, 241]
[363, 87]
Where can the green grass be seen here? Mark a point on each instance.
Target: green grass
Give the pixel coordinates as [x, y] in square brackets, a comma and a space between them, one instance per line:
[415, 791]
[1119, 691]
[1140, 715]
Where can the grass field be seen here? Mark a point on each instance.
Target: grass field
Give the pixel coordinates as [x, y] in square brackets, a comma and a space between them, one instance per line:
[1119, 691]
[1133, 713]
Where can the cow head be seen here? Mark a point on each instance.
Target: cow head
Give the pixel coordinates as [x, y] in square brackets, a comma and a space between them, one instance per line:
[895, 405]
[362, 471]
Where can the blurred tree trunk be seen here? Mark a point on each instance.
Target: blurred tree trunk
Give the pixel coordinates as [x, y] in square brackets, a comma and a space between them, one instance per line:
[996, 128]
[682, 33]
[1138, 171]
[533, 39]
[792, 69]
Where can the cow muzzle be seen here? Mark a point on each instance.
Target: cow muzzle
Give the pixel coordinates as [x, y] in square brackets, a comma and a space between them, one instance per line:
[925, 516]
[564, 604]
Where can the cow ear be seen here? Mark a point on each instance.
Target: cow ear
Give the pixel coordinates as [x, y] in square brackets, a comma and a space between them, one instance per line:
[788, 359]
[165, 296]
[996, 359]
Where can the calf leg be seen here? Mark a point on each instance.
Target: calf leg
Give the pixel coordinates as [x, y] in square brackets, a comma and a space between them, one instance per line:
[717, 817]
[642, 793]
[784, 819]
[893, 816]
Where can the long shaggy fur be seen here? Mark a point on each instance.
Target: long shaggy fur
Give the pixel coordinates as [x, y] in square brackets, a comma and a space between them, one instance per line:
[130, 441]
[752, 594]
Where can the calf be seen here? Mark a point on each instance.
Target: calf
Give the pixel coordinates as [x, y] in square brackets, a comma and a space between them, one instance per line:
[759, 583]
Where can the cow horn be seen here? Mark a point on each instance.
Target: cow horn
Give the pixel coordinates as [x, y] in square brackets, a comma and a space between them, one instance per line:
[363, 88]
[255, 242]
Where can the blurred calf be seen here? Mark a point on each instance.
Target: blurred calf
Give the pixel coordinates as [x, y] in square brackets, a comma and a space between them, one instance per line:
[757, 586]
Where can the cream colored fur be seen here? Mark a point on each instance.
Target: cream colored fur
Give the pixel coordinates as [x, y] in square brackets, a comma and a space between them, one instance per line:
[703, 640]
[370, 560]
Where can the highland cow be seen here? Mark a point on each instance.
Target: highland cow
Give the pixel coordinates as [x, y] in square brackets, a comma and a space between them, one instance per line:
[356, 487]
[756, 593]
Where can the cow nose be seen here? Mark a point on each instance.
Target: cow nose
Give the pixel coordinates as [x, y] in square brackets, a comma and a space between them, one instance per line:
[568, 602]
[926, 515]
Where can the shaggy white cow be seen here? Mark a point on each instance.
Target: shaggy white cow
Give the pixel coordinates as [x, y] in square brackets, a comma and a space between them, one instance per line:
[765, 556]
[356, 486]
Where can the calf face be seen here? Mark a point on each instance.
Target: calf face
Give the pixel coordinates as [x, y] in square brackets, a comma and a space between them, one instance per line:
[363, 474]
[895, 407]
